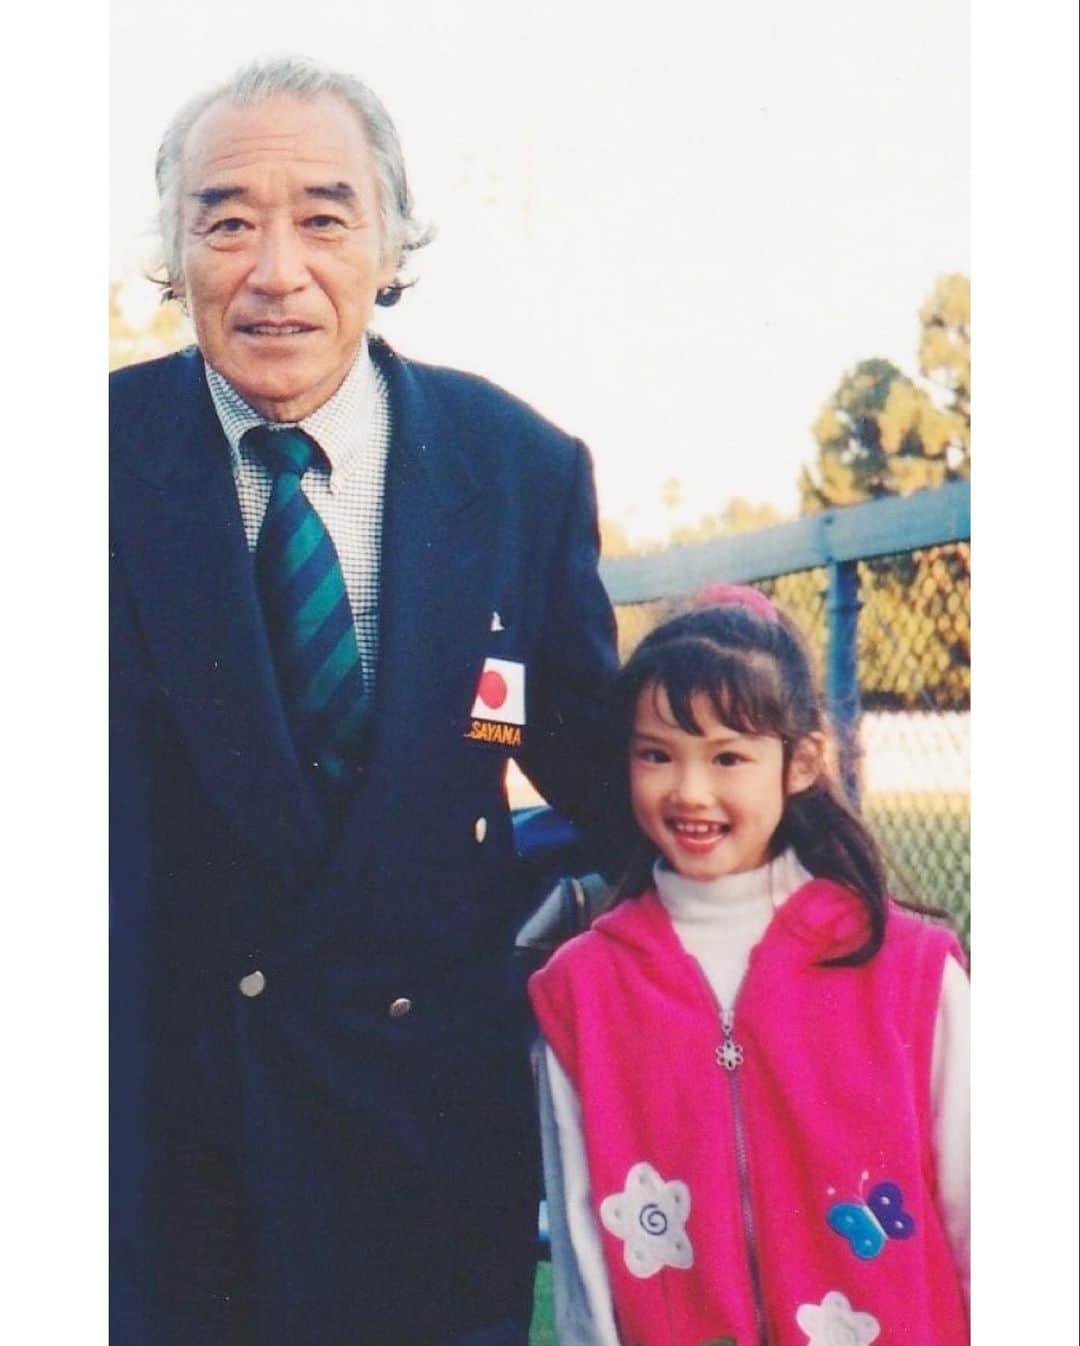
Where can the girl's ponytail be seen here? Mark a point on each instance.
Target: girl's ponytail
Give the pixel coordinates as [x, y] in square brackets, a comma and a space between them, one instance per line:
[832, 843]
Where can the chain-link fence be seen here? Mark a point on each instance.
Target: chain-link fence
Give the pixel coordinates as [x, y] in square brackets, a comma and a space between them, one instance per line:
[909, 703]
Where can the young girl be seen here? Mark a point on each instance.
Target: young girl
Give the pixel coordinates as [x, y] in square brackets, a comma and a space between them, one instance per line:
[754, 1072]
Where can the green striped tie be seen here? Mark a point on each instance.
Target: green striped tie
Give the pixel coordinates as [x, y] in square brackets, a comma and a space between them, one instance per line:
[308, 617]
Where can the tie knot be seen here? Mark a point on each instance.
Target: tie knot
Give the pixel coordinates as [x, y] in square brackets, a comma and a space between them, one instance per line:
[282, 451]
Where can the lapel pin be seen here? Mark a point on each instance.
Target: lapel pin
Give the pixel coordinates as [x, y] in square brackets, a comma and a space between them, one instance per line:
[496, 622]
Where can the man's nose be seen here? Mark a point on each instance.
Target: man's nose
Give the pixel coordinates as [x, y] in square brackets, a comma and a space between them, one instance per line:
[280, 265]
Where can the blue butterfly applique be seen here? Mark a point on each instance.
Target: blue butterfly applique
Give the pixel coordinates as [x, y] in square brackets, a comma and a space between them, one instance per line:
[867, 1225]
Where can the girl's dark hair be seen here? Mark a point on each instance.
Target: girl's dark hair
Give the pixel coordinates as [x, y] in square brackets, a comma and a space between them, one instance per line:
[757, 674]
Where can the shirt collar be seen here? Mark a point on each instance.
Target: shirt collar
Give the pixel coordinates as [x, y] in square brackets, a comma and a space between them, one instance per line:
[704, 899]
[341, 426]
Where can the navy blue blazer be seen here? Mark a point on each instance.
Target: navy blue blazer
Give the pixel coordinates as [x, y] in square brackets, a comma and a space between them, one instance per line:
[304, 1167]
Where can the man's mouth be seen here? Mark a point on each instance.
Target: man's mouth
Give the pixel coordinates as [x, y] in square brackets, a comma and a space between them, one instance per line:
[275, 329]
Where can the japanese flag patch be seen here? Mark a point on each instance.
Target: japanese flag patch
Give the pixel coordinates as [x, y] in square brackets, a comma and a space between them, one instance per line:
[498, 712]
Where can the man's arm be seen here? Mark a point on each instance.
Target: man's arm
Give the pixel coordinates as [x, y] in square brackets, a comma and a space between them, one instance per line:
[568, 752]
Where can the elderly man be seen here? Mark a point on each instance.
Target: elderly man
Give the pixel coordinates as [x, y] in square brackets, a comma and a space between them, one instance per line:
[346, 588]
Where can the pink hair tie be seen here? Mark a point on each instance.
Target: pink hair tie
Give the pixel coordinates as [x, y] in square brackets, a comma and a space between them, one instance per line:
[741, 595]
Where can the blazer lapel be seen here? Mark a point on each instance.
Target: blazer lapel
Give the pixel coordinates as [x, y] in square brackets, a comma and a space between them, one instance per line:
[194, 585]
[437, 536]
[434, 614]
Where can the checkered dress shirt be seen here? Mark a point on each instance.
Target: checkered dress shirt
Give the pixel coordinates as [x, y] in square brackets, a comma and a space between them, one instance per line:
[353, 430]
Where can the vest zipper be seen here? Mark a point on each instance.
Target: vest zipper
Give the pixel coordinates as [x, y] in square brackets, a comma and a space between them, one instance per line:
[729, 1057]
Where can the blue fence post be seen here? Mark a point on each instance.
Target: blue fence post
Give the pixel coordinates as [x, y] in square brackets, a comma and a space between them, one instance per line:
[842, 671]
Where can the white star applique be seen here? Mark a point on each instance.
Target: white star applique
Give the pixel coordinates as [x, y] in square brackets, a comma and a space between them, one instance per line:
[649, 1215]
[834, 1322]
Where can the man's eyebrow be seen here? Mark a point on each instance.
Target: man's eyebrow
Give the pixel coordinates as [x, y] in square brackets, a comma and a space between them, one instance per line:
[332, 191]
[208, 197]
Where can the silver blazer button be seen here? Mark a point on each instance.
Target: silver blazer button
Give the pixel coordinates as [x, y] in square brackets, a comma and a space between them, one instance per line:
[399, 1007]
[253, 984]
[480, 829]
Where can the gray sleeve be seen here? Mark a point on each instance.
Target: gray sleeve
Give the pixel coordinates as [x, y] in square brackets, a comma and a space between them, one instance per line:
[584, 1315]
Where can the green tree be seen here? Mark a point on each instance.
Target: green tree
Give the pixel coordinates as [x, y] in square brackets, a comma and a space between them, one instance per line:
[882, 433]
[945, 343]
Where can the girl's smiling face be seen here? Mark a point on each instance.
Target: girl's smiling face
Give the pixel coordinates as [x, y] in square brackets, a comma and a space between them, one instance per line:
[710, 802]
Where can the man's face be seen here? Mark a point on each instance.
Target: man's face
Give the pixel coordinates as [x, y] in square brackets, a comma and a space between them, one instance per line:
[281, 247]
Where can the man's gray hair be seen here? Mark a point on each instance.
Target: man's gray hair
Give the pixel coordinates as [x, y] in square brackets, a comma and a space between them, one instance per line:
[255, 83]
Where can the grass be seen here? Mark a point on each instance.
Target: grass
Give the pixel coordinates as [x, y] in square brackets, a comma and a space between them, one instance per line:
[542, 1332]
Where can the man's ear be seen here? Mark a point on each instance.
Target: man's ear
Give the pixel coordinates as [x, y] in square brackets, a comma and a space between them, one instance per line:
[807, 760]
[388, 269]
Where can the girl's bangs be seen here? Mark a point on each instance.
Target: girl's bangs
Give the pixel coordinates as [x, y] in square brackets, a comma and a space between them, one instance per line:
[742, 685]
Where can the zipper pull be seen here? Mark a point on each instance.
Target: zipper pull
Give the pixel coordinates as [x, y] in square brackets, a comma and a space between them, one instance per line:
[729, 1054]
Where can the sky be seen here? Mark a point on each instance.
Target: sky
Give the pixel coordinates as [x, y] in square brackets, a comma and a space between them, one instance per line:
[669, 228]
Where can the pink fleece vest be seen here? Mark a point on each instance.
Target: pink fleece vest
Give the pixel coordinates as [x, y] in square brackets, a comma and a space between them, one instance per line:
[770, 1184]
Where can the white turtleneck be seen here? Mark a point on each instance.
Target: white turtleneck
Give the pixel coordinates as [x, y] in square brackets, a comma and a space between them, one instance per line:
[718, 922]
